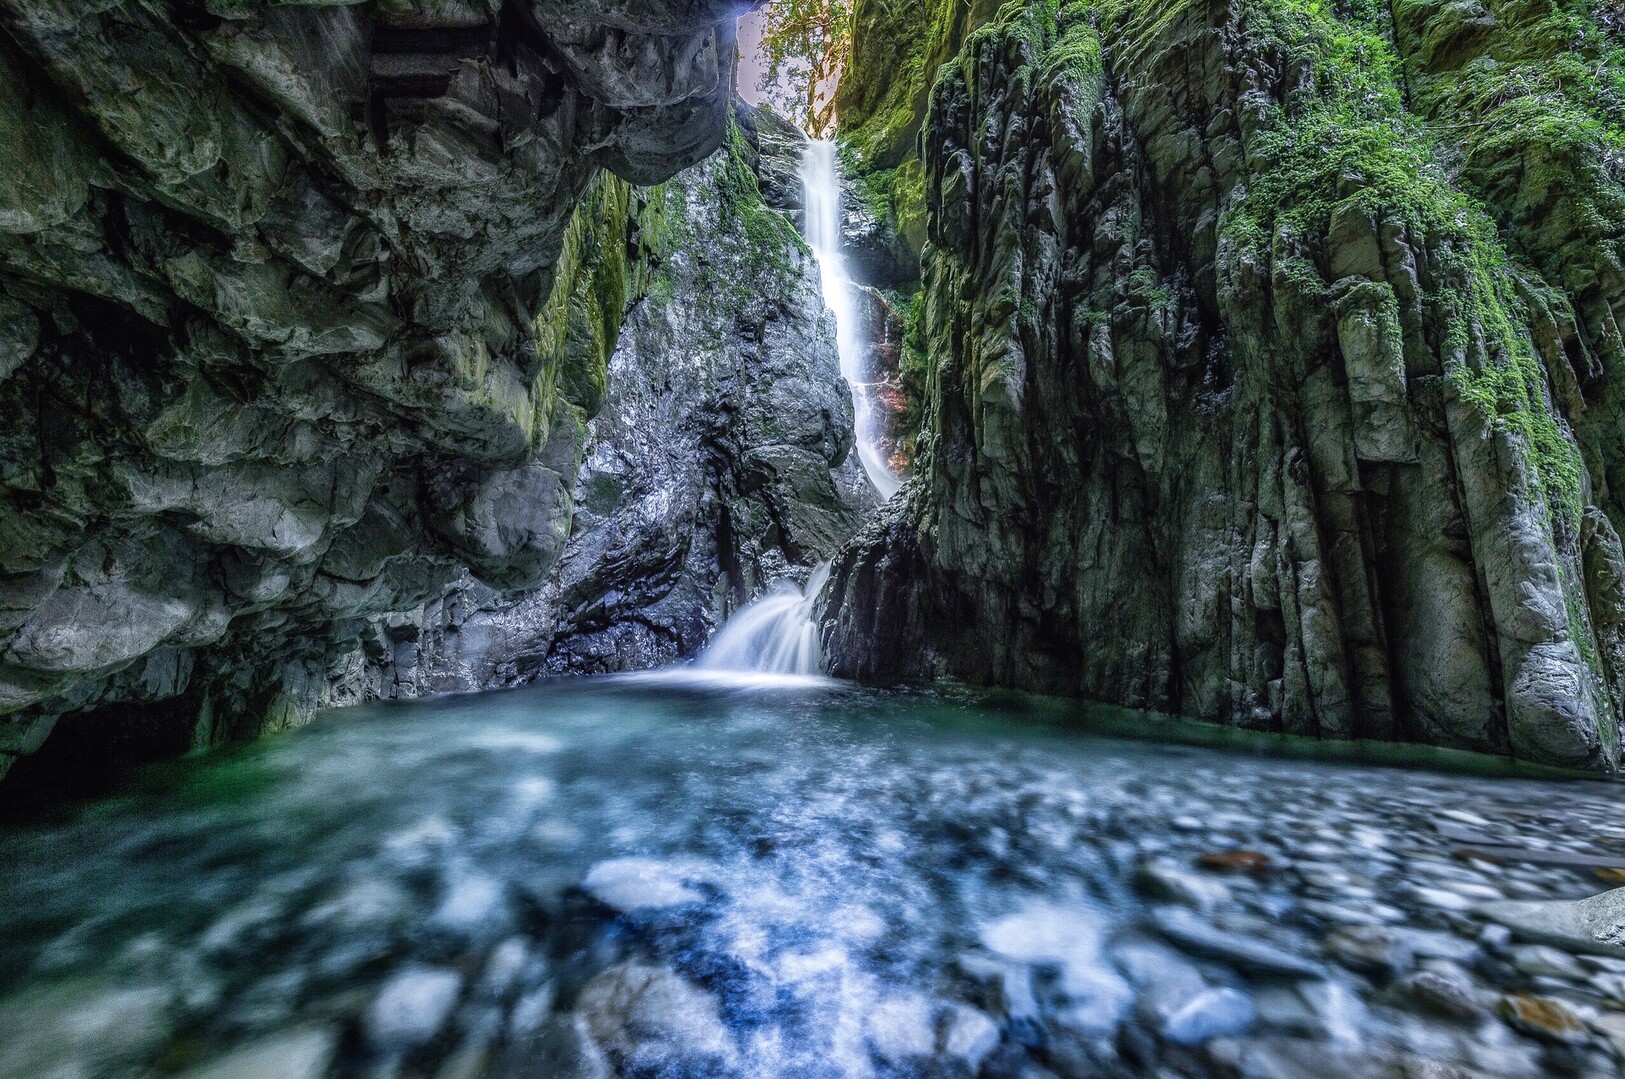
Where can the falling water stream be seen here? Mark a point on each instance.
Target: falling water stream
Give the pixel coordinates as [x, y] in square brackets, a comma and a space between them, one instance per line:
[777, 634]
[820, 176]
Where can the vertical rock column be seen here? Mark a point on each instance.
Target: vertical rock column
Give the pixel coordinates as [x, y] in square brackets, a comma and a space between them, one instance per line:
[1237, 406]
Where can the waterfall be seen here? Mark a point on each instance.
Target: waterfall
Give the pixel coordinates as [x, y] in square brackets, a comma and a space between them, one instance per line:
[775, 635]
[820, 176]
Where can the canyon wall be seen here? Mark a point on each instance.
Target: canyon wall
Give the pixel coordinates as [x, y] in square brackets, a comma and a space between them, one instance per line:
[1264, 358]
[1273, 374]
[269, 366]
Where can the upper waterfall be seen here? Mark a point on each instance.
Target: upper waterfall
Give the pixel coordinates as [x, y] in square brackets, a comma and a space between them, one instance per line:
[820, 176]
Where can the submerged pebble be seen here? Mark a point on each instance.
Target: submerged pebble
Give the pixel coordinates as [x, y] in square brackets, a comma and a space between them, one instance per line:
[297, 1054]
[1212, 1013]
[630, 885]
[413, 1007]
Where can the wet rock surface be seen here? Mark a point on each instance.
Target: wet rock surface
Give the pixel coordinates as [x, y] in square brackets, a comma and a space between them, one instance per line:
[719, 462]
[1595, 925]
[646, 877]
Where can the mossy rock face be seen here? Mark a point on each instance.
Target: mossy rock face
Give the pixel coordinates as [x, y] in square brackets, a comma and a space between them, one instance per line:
[269, 365]
[883, 102]
[1255, 393]
[898, 47]
[1531, 109]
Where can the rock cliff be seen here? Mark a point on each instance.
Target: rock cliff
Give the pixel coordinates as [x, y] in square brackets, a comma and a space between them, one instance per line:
[1264, 358]
[268, 368]
[1274, 373]
[719, 462]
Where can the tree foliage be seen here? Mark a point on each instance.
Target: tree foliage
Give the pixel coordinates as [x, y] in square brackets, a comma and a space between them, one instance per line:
[805, 46]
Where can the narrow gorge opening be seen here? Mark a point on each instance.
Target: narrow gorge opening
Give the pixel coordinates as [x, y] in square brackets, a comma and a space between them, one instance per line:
[665, 539]
[779, 633]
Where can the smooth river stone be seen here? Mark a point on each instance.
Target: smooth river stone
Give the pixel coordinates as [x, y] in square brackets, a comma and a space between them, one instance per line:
[1070, 938]
[653, 1020]
[413, 1007]
[298, 1054]
[1594, 926]
[630, 885]
[1255, 956]
[1212, 1013]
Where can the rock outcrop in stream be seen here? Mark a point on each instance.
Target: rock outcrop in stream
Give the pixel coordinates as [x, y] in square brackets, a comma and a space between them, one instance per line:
[268, 275]
[1275, 373]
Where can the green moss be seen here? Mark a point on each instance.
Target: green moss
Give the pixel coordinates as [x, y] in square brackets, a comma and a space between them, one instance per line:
[1344, 143]
[897, 48]
[614, 252]
[604, 493]
[1532, 106]
[759, 248]
[1510, 389]
[577, 329]
[1343, 139]
[1145, 287]
[770, 232]
[895, 196]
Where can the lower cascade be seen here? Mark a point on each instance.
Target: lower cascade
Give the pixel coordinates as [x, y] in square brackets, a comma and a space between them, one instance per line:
[775, 635]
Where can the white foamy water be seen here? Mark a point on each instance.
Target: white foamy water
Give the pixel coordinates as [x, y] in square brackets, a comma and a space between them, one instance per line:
[821, 178]
[776, 635]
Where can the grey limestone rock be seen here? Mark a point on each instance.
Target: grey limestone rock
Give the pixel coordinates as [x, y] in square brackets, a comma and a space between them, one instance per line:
[1594, 926]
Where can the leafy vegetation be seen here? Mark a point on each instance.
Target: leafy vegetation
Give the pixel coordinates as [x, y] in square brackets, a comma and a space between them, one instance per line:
[1345, 143]
[577, 329]
[806, 45]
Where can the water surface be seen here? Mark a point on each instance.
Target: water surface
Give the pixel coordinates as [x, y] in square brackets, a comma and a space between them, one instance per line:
[781, 877]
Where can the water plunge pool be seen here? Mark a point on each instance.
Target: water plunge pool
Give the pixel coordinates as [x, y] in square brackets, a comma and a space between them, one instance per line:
[717, 876]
